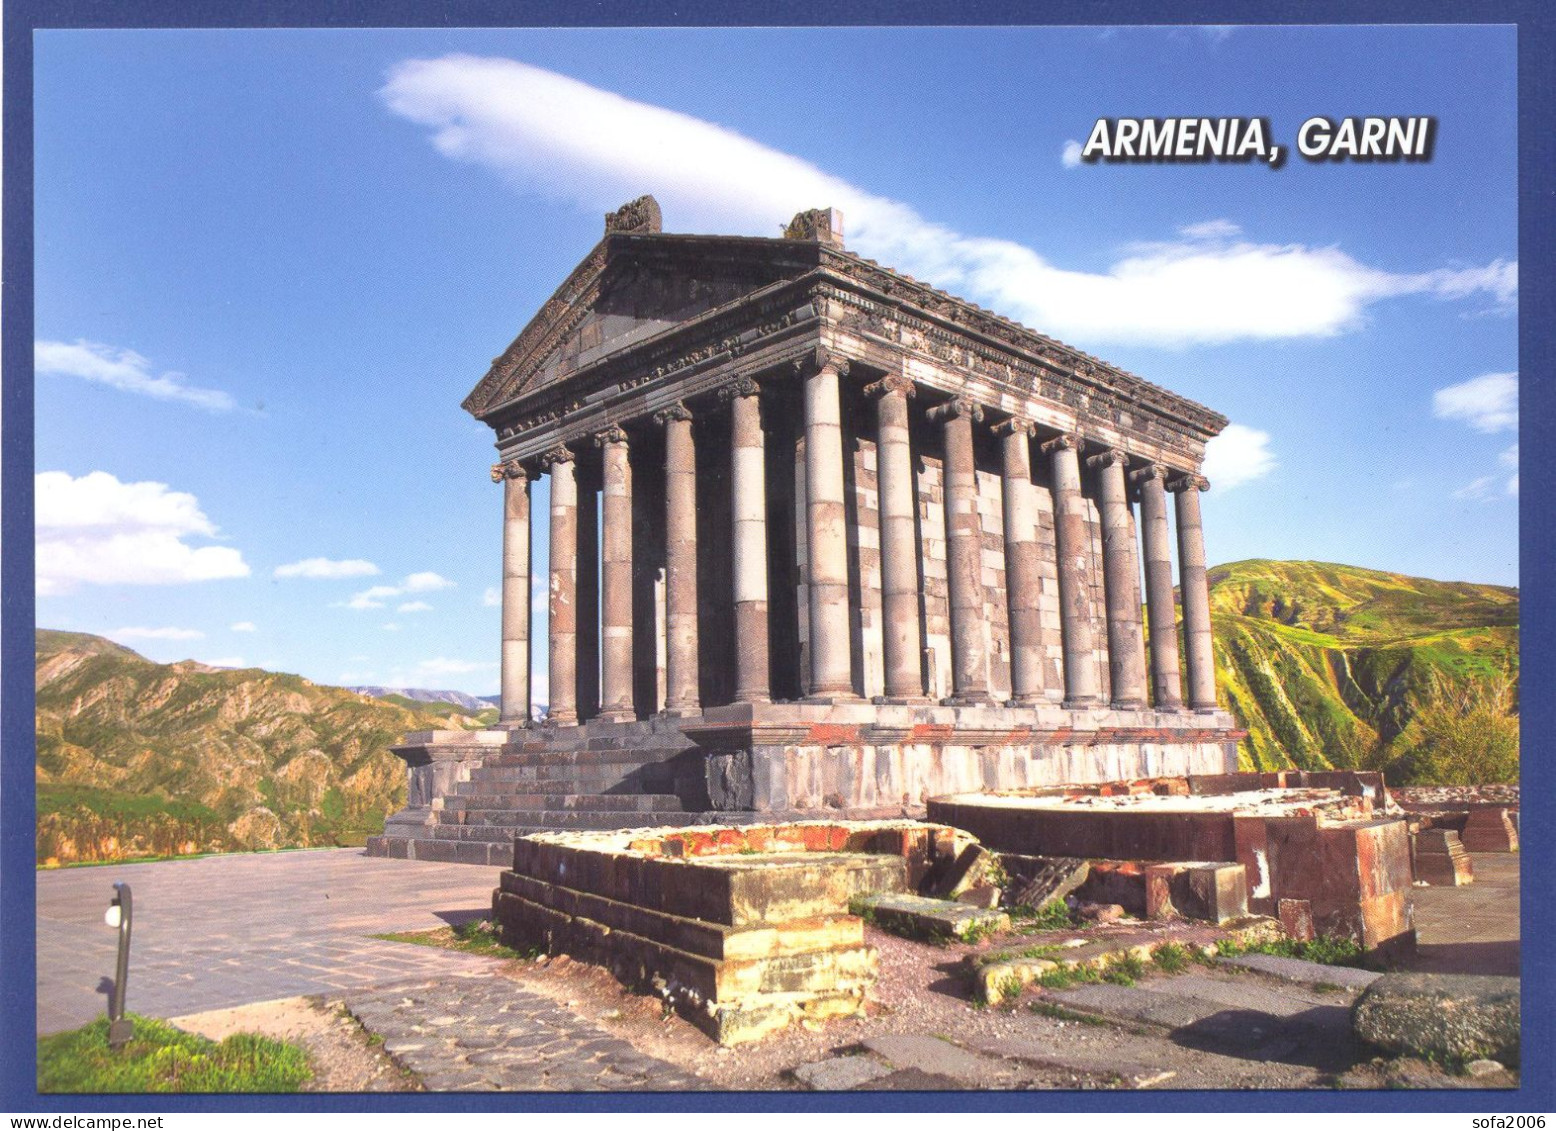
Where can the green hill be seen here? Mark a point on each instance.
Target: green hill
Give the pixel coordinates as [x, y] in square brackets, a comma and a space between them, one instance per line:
[1332, 665]
[139, 758]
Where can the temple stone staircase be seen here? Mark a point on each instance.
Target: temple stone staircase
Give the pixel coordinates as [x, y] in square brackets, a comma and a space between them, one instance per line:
[599, 785]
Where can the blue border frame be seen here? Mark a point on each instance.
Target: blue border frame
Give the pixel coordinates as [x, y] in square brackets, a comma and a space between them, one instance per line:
[1535, 22]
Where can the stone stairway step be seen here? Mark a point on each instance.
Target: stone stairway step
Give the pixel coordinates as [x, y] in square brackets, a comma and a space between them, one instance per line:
[610, 772]
[480, 805]
[581, 757]
[539, 820]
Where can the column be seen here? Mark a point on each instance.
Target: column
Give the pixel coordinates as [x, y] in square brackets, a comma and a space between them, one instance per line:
[564, 586]
[681, 683]
[1080, 659]
[901, 633]
[1121, 584]
[616, 578]
[1198, 651]
[1161, 619]
[748, 495]
[831, 645]
[1022, 582]
[964, 552]
[515, 592]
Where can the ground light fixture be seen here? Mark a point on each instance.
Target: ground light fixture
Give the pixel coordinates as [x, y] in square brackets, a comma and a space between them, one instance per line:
[120, 914]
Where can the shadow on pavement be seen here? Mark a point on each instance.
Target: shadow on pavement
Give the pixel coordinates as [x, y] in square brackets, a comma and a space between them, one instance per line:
[1316, 1038]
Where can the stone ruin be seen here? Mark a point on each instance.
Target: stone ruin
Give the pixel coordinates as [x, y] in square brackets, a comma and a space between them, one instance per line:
[743, 930]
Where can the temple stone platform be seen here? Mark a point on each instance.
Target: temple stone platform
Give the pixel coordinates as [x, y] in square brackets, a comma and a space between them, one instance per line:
[742, 930]
[472, 792]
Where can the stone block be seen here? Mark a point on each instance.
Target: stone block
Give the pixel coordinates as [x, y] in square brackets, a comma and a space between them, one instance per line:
[1039, 880]
[1446, 1016]
[1490, 830]
[1213, 891]
[918, 917]
[1296, 919]
[1440, 859]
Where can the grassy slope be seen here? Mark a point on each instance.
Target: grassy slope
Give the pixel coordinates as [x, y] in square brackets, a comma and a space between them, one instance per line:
[1327, 665]
[183, 758]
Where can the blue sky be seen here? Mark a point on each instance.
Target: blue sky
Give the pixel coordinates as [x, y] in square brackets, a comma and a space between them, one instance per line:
[271, 264]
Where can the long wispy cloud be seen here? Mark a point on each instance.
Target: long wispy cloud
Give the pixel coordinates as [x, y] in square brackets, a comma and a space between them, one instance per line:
[95, 530]
[327, 569]
[1487, 403]
[125, 370]
[553, 135]
[375, 596]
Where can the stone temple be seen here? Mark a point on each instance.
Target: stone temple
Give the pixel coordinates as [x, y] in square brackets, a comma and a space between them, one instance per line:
[823, 542]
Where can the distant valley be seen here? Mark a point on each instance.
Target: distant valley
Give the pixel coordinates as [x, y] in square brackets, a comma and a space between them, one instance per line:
[1325, 665]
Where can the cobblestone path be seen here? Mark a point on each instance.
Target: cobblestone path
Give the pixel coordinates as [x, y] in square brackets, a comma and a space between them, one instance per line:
[480, 1033]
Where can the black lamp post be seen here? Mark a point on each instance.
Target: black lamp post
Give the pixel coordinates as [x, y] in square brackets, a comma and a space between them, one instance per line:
[120, 914]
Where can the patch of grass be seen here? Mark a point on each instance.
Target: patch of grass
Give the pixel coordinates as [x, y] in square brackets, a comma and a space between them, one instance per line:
[1170, 958]
[1125, 970]
[1060, 1013]
[160, 1058]
[1052, 916]
[1063, 977]
[1325, 950]
[477, 937]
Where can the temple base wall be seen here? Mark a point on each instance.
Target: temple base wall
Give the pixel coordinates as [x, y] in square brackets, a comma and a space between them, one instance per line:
[471, 793]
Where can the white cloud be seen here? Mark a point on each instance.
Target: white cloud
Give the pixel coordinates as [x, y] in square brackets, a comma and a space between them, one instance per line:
[1488, 403]
[122, 369]
[226, 662]
[96, 530]
[413, 607]
[492, 598]
[372, 598]
[1238, 455]
[391, 628]
[375, 596]
[327, 569]
[244, 626]
[553, 135]
[426, 581]
[156, 634]
[1480, 488]
[1070, 158]
[1210, 230]
[1509, 458]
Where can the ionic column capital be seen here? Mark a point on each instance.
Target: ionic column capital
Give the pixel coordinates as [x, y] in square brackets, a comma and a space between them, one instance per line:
[559, 454]
[1144, 475]
[677, 411]
[509, 469]
[1186, 481]
[614, 434]
[740, 387]
[820, 360]
[1015, 426]
[1065, 442]
[1107, 458]
[891, 383]
[956, 408]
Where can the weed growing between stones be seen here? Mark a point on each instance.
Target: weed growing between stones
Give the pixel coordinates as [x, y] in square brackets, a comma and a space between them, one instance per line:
[479, 937]
[1170, 958]
[1060, 1013]
[1052, 916]
[160, 1058]
[1325, 950]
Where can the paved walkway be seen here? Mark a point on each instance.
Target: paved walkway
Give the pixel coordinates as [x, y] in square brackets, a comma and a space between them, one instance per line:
[467, 1033]
[221, 931]
[1472, 929]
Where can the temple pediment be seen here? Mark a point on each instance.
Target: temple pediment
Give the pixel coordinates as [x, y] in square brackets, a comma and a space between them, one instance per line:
[631, 287]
